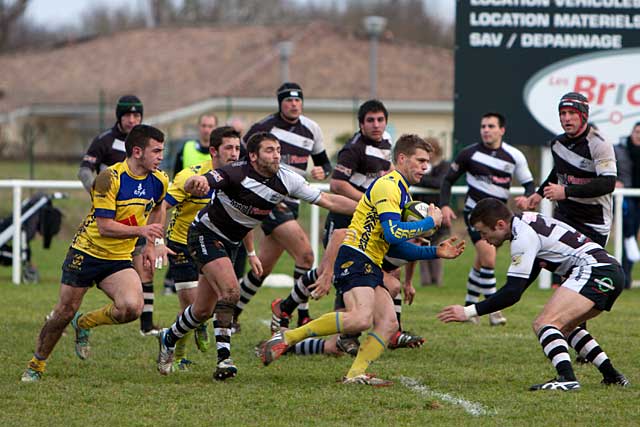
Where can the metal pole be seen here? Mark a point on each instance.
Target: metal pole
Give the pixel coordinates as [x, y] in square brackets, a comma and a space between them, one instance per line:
[285, 49]
[618, 199]
[16, 270]
[315, 232]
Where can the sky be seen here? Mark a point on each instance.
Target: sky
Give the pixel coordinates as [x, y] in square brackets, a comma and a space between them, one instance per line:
[68, 12]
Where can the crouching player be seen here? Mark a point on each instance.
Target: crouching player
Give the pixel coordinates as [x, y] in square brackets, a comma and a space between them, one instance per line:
[595, 280]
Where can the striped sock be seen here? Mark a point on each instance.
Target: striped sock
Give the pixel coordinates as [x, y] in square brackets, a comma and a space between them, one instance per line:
[249, 285]
[584, 344]
[303, 296]
[480, 282]
[397, 305]
[308, 347]
[222, 318]
[555, 347]
[183, 324]
[300, 292]
[146, 318]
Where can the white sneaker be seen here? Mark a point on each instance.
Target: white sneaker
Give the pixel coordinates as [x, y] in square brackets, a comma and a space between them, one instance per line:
[497, 319]
[631, 249]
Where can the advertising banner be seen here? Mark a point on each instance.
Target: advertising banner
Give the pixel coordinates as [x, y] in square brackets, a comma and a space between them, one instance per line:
[518, 57]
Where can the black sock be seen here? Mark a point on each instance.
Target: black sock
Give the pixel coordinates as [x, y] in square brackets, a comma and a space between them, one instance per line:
[146, 318]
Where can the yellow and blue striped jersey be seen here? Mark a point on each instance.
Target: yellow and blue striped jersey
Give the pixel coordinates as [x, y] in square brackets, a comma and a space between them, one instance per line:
[185, 205]
[124, 197]
[387, 194]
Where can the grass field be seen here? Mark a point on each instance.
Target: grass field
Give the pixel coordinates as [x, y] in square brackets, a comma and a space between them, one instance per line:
[464, 376]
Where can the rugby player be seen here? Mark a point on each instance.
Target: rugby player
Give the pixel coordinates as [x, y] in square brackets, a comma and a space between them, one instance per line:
[126, 205]
[595, 280]
[245, 193]
[375, 230]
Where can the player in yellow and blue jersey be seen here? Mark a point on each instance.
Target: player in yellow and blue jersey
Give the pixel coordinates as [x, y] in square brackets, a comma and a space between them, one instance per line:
[375, 230]
[126, 205]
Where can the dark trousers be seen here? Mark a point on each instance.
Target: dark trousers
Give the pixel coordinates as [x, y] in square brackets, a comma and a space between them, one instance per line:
[630, 227]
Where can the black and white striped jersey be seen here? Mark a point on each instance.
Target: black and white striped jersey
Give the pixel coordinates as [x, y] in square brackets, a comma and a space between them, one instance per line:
[362, 160]
[243, 198]
[542, 242]
[298, 140]
[578, 161]
[489, 172]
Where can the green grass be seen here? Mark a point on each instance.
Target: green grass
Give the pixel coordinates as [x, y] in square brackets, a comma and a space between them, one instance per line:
[493, 367]
[119, 384]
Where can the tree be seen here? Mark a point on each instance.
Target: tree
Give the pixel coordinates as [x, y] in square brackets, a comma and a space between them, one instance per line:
[10, 13]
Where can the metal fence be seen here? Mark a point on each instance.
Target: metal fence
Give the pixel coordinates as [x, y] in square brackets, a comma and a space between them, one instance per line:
[18, 185]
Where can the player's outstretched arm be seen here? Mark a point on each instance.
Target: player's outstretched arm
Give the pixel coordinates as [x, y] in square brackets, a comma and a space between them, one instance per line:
[450, 248]
[337, 203]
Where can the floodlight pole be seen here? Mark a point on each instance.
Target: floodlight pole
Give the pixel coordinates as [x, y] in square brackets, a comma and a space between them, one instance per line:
[285, 49]
[374, 26]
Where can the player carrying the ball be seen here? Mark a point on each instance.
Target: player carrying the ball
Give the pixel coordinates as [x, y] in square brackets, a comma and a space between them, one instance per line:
[376, 229]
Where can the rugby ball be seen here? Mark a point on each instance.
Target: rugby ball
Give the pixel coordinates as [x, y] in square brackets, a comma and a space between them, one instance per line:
[416, 211]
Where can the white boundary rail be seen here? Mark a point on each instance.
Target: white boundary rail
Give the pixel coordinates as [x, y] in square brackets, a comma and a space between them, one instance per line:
[18, 184]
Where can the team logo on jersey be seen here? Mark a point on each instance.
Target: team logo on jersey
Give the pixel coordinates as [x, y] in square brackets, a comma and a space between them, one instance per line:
[367, 268]
[77, 261]
[140, 191]
[216, 176]
[346, 264]
[605, 284]
[516, 260]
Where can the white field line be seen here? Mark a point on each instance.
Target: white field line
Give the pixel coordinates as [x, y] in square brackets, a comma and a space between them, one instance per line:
[473, 408]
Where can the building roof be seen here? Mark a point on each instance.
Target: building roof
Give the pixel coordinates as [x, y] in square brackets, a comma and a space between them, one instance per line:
[171, 68]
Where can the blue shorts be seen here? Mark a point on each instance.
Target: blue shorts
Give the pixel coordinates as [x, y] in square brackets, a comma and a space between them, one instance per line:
[353, 269]
[82, 270]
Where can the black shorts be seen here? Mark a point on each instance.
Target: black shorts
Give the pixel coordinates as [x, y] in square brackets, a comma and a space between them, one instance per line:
[140, 244]
[602, 285]
[283, 212]
[353, 269]
[334, 222]
[206, 246]
[473, 233]
[183, 267]
[82, 270]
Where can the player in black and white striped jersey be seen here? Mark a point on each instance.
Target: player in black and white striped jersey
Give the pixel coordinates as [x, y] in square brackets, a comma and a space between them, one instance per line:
[583, 177]
[245, 193]
[300, 138]
[595, 280]
[490, 167]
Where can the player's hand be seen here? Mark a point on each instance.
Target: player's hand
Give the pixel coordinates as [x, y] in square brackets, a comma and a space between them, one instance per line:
[554, 192]
[197, 185]
[151, 232]
[162, 255]
[447, 216]
[522, 203]
[435, 213]
[409, 293]
[317, 173]
[256, 265]
[532, 202]
[452, 313]
[149, 256]
[322, 286]
[450, 249]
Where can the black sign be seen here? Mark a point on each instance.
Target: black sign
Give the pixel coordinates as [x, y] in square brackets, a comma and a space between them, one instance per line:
[518, 57]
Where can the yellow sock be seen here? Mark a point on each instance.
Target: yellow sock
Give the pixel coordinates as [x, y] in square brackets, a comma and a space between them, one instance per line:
[101, 316]
[181, 347]
[37, 364]
[327, 324]
[370, 350]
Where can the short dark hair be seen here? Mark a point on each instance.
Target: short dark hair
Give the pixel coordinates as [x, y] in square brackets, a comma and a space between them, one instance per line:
[140, 136]
[407, 144]
[502, 121]
[253, 145]
[217, 135]
[371, 106]
[207, 115]
[489, 211]
[435, 145]
[636, 124]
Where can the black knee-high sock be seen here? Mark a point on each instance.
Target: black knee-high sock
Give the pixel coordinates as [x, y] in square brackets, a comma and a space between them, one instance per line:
[184, 323]
[303, 306]
[222, 319]
[584, 344]
[146, 318]
[555, 347]
[249, 285]
[397, 304]
[300, 292]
